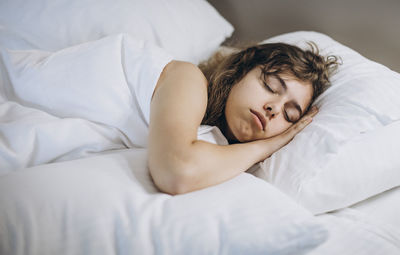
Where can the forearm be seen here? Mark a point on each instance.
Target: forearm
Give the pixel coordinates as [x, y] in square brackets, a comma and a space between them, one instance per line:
[207, 164]
[211, 164]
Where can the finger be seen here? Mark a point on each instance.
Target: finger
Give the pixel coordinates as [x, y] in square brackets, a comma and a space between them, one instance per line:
[312, 111]
[300, 125]
[287, 136]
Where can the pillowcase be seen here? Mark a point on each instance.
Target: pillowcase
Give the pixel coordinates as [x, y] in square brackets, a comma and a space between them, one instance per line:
[350, 150]
[189, 30]
[107, 204]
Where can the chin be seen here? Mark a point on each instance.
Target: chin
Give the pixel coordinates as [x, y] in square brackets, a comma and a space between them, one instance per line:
[246, 138]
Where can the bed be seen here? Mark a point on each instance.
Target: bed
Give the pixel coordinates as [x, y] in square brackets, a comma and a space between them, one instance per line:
[73, 173]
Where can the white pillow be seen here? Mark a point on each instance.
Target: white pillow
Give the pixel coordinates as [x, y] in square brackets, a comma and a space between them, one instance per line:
[351, 149]
[189, 30]
[107, 204]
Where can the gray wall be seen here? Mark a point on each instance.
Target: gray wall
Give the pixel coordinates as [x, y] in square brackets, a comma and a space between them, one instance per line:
[371, 27]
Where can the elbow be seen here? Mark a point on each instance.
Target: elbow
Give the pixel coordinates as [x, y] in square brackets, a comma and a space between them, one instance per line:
[173, 181]
[178, 188]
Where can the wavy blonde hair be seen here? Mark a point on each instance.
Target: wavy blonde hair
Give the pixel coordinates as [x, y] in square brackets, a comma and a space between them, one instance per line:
[228, 66]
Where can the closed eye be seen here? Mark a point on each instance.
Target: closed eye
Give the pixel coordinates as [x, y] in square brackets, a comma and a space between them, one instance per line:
[287, 117]
[273, 83]
[291, 117]
[269, 88]
[266, 85]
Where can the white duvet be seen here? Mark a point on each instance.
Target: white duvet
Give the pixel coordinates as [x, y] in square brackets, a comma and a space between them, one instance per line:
[75, 102]
[108, 205]
[73, 132]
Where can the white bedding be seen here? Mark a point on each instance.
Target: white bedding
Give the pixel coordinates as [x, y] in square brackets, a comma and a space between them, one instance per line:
[107, 204]
[73, 174]
[369, 227]
[77, 101]
[93, 100]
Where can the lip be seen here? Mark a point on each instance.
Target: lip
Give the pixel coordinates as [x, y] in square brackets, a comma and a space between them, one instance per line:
[260, 117]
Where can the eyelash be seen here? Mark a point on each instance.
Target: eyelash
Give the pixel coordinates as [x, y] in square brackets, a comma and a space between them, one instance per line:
[287, 117]
[262, 78]
[269, 88]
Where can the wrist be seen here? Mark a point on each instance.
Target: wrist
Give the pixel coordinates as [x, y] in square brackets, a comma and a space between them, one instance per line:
[262, 149]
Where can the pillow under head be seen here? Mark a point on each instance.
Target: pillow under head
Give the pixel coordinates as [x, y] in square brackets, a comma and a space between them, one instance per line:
[350, 150]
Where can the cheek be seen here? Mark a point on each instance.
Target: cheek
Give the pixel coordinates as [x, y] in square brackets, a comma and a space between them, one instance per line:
[228, 111]
[232, 106]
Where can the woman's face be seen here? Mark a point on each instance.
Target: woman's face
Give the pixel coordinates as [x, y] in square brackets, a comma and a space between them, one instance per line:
[262, 106]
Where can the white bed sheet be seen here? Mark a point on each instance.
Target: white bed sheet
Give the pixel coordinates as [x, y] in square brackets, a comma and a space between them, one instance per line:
[384, 208]
[369, 227]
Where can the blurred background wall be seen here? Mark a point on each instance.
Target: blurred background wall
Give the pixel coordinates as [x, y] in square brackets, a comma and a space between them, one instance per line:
[371, 27]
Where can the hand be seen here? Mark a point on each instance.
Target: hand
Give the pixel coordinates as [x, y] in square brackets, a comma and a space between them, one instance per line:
[278, 141]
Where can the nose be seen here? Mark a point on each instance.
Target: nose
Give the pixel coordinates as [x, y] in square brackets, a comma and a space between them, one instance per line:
[271, 111]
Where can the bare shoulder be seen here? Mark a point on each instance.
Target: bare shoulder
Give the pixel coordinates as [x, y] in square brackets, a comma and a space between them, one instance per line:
[182, 67]
[176, 71]
[180, 94]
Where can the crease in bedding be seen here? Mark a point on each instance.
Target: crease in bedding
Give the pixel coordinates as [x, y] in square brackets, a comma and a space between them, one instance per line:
[371, 225]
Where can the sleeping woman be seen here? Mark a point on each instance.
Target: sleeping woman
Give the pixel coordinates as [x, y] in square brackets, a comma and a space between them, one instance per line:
[259, 97]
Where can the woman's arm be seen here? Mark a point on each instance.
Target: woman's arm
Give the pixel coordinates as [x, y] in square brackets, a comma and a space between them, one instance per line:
[180, 163]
